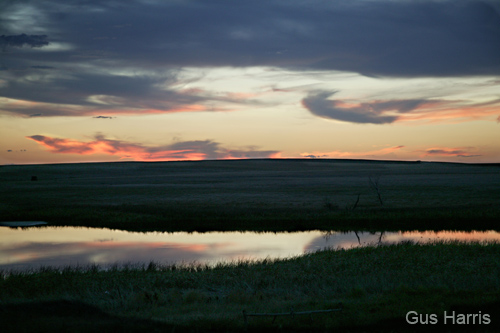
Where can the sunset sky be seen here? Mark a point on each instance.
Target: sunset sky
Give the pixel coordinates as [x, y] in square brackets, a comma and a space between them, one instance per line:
[159, 80]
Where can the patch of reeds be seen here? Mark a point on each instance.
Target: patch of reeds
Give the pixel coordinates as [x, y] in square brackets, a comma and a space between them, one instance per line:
[206, 217]
[374, 284]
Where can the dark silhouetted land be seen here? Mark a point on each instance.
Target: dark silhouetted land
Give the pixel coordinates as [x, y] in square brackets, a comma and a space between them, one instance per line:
[262, 195]
[378, 286]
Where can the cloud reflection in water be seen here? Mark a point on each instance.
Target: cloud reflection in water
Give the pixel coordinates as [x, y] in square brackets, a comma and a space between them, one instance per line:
[30, 248]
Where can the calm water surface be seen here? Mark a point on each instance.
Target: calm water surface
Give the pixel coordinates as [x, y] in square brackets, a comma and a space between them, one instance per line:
[30, 248]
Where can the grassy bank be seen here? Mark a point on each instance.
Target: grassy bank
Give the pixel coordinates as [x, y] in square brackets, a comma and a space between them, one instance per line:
[377, 287]
[270, 195]
[207, 217]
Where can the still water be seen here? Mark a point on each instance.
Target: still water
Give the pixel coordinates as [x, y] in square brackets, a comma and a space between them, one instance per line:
[30, 248]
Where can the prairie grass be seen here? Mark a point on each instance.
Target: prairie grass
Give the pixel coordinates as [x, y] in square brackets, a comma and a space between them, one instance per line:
[376, 285]
[258, 195]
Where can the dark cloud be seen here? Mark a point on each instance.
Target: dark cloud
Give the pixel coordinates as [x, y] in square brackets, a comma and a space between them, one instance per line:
[65, 93]
[184, 150]
[42, 67]
[458, 152]
[103, 117]
[315, 156]
[104, 48]
[364, 113]
[207, 149]
[23, 40]
[76, 88]
[399, 38]
[400, 106]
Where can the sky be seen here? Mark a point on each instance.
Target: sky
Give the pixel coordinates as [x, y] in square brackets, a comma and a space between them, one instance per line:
[162, 80]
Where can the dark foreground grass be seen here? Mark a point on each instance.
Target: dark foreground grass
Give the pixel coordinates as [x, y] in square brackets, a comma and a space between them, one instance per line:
[214, 217]
[377, 286]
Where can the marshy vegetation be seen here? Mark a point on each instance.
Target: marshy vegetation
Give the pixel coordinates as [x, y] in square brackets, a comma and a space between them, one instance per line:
[376, 285]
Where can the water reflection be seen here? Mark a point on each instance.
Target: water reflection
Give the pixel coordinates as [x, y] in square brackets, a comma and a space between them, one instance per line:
[29, 248]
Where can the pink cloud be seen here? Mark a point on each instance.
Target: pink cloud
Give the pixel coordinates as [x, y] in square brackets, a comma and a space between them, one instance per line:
[100, 106]
[185, 150]
[456, 152]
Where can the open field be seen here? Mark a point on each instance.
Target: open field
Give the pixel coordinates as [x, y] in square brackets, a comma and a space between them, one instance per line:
[271, 195]
[377, 286]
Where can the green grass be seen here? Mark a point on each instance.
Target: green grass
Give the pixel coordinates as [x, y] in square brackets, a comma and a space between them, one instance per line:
[377, 286]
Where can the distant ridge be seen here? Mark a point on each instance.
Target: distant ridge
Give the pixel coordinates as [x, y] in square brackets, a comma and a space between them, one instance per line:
[293, 159]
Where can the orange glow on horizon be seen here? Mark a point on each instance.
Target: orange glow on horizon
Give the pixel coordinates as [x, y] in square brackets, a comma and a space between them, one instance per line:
[194, 150]
[345, 154]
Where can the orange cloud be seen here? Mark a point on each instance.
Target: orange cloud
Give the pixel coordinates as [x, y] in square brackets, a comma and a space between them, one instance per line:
[103, 108]
[185, 150]
[447, 112]
[190, 247]
[344, 154]
[145, 111]
[457, 152]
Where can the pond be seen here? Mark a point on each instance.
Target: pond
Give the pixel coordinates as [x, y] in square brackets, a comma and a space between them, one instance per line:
[24, 249]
